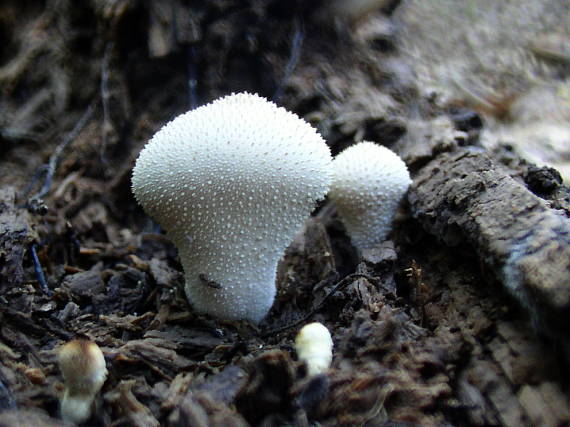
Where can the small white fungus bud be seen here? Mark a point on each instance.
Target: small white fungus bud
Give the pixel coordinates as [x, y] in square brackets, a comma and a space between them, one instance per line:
[314, 347]
[369, 181]
[232, 182]
[82, 365]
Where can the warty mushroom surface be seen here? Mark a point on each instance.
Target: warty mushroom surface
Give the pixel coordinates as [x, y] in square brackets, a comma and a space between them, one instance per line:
[369, 182]
[232, 183]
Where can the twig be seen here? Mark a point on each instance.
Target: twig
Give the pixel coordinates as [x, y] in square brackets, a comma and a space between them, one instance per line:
[50, 168]
[344, 282]
[15, 135]
[192, 77]
[7, 400]
[295, 54]
[39, 272]
[190, 43]
[105, 96]
[38, 174]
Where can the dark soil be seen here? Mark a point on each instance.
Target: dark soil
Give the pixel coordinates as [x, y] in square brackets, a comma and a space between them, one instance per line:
[460, 319]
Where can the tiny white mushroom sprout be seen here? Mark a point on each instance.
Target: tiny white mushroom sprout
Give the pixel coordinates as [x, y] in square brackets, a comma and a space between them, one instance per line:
[232, 182]
[369, 181]
[314, 347]
[82, 365]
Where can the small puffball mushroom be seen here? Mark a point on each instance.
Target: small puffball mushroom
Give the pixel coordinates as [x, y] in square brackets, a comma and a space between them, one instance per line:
[314, 347]
[82, 365]
[232, 182]
[369, 181]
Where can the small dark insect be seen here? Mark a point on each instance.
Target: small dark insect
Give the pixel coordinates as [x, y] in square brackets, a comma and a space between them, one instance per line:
[209, 283]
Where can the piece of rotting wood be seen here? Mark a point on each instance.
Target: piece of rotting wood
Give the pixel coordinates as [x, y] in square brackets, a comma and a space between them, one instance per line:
[463, 197]
[16, 236]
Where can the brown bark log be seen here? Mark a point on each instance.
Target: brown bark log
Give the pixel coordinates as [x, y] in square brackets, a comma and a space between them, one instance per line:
[464, 197]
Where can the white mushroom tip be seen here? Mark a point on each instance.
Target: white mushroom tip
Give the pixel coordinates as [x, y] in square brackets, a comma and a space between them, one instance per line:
[369, 182]
[314, 347]
[84, 371]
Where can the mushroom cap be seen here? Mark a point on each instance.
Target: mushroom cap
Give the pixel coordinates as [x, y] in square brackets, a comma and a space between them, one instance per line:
[83, 367]
[369, 181]
[232, 182]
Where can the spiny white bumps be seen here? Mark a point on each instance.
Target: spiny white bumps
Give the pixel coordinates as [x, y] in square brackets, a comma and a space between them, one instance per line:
[82, 365]
[232, 182]
[314, 346]
[369, 181]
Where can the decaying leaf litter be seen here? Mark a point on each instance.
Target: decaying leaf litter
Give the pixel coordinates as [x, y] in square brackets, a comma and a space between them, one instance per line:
[424, 330]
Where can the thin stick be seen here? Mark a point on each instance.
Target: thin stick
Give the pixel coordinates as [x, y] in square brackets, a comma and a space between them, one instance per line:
[38, 174]
[54, 158]
[105, 96]
[39, 272]
[295, 54]
[192, 77]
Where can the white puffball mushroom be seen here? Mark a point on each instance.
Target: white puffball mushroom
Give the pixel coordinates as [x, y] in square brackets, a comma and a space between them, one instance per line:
[232, 182]
[314, 347]
[82, 365]
[369, 181]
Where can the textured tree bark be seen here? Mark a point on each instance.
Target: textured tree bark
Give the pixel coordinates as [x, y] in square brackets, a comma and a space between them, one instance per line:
[16, 234]
[464, 197]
